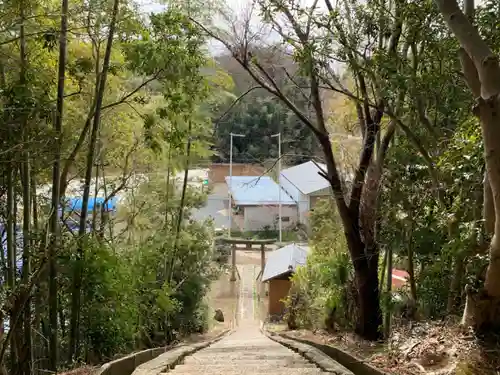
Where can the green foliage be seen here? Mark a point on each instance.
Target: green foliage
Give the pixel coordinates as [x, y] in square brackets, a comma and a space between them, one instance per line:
[145, 292]
[258, 116]
[142, 283]
[110, 311]
[411, 212]
[322, 295]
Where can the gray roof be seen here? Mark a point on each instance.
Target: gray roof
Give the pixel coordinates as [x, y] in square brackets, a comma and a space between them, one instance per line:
[257, 191]
[284, 260]
[305, 177]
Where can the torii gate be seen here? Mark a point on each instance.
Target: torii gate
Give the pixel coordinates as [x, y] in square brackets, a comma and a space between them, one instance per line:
[248, 246]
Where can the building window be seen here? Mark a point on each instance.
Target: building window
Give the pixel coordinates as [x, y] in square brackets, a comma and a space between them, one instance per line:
[285, 219]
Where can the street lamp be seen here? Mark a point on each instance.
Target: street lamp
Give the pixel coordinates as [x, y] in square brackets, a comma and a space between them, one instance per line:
[279, 183]
[231, 178]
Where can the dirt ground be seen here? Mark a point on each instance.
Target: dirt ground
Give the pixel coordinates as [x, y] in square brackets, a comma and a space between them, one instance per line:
[430, 348]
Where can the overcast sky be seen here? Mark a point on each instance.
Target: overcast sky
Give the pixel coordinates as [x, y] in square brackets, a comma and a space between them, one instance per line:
[237, 8]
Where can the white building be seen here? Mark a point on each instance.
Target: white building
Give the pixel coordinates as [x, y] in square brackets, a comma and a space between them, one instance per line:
[304, 184]
[256, 202]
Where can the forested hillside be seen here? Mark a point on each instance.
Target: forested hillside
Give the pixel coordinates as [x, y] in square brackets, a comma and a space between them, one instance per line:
[258, 115]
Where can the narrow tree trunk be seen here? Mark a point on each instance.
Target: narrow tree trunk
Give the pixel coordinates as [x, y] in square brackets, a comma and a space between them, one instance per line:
[180, 216]
[26, 174]
[411, 269]
[77, 279]
[34, 203]
[456, 282]
[167, 190]
[388, 312]
[97, 209]
[11, 259]
[384, 267]
[54, 218]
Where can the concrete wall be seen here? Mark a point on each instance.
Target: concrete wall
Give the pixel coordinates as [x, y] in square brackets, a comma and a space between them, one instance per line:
[278, 290]
[126, 365]
[257, 217]
[218, 172]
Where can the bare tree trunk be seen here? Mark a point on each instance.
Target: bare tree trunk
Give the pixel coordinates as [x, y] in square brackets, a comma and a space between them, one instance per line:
[388, 312]
[34, 202]
[384, 267]
[96, 210]
[167, 192]
[488, 206]
[27, 362]
[180, 216]
[456, 282]
[54, 218]
[11, 259]
[411, 269]
[77, 280]
[482, 73]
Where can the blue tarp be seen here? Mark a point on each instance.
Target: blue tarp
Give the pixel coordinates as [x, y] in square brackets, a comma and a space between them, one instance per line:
[75, 204]
[19, 245]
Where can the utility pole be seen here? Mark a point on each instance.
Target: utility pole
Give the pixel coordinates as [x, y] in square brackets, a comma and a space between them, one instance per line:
[231, 135]
[279, 184]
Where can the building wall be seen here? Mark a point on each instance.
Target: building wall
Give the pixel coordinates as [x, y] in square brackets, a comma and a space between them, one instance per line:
[322, 193]
[257, 217]
[218, 172]
[302, 200]
[278, 290]
[303, 208]
[290, 188]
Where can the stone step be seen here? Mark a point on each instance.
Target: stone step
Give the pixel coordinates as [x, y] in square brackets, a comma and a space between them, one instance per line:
[246, 359]
[246, 351]
[270, 370]
[259, 353]
[248, 364]
[254, 366]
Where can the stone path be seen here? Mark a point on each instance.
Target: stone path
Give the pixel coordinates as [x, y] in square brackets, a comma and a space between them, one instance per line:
[246, 351]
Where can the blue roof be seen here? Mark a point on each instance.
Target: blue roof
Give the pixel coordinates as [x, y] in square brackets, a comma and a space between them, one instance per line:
[284, 260]
[75, 204]
[256, 191]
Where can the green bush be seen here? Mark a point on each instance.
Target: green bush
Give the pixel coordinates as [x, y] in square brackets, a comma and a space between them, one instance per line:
[142, 293]
[322, 293]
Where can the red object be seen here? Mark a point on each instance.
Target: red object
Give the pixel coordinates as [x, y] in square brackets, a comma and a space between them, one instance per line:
[399, 278]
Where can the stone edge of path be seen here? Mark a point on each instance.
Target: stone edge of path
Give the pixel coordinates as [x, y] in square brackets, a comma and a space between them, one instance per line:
[312, 354]
[156, 360]
[328, 358]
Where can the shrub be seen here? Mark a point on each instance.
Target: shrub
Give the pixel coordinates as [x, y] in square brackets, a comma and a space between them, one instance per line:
[322, 293]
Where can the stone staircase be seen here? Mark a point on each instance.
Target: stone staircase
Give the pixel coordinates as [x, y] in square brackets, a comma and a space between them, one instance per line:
[246, 351]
